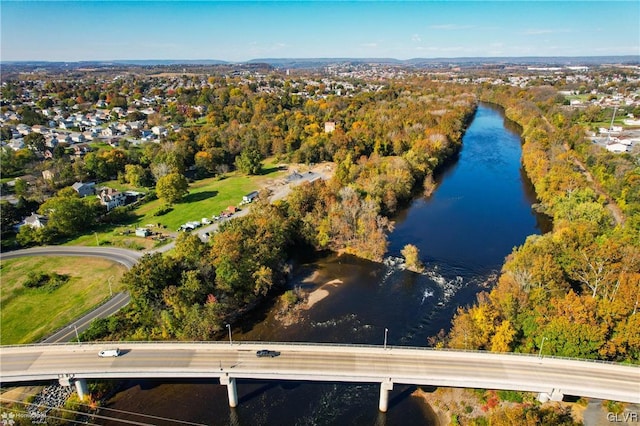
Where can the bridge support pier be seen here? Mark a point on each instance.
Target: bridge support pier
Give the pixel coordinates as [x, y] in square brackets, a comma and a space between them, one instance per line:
[555, 395]
[385, 388]
[232, 390]
[81, 388]
[81, 384]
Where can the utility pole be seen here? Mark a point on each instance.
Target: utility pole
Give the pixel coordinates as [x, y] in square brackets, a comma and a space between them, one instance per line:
[541, 346]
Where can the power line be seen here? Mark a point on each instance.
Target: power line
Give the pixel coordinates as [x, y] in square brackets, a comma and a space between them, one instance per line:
[81, 413]
[131, 413]
[30, 416]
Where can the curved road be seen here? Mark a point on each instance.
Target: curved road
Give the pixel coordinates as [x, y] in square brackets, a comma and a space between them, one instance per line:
[128, 258]
[324, 362]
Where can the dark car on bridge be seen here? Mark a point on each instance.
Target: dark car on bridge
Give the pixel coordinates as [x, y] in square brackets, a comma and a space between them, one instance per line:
[267, 353]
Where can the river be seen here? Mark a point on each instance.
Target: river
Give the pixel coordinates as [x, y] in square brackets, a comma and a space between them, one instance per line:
[479, 212]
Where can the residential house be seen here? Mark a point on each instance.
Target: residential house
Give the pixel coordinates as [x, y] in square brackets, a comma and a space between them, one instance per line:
[142, 232]
[108, 132]
[39, 128]
[67, 124]
[250, 197]
[617, 147]
[36, 221]
[111, 198]
[137, 125]
[51, 142]
[84, 188]
[81, 149]
[146, 135]
[329, 126]
[159, 130]
[50, 175]
[118, 111]
[123, 127]
[23, 129]
[16, 144]
[78, 138]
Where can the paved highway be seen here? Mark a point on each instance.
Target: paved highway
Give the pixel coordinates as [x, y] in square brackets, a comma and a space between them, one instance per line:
[125, 257]
[324, 363]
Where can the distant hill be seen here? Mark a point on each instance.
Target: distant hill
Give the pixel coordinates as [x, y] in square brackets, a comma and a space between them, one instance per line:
[427, 62]
[323, 62]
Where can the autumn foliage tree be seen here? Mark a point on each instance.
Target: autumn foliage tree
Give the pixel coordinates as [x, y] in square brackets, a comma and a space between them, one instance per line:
[172, 187]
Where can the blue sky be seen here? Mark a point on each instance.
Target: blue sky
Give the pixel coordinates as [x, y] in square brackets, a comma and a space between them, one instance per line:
[238, 31]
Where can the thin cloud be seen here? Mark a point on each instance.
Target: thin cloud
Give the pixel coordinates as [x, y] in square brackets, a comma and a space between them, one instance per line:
[416, 38]
[451, 27]
[543, 31]
[370, 45]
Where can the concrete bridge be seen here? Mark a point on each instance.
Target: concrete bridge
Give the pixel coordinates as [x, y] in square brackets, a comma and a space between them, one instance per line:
[551, 378]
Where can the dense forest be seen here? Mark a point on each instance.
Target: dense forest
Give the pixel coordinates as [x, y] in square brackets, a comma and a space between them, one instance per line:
[573, 291]
[386, 145]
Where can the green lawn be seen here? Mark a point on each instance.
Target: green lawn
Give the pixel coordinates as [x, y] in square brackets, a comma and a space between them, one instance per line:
[29, 314]
[206, 198]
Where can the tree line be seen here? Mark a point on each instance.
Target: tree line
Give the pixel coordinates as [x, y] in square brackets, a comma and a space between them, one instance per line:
[574, 291]
[192, 292]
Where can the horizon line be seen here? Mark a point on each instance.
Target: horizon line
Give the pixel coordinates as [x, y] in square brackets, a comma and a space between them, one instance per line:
[298, 58]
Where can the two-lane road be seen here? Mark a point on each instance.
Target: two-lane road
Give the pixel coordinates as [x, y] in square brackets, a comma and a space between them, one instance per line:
[125, 257]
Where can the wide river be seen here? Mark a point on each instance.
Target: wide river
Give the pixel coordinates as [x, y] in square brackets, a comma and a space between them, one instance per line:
[479, 212]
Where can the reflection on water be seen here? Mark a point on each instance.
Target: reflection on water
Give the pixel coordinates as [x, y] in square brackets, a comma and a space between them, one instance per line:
[480, 211]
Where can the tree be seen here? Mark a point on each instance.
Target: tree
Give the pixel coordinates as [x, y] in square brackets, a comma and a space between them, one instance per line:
[249, 161]
[70, 215]
[21, 187]
[136, 175]
[35, 141]
[147, 278]
[411, 256]
[189, 248]
[172, 187]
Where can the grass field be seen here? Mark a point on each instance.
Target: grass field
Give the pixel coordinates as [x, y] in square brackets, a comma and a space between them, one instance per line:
[206, 198]
[29, 314]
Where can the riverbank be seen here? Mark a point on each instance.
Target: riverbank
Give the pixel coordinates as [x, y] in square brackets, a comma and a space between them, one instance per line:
[478, 213]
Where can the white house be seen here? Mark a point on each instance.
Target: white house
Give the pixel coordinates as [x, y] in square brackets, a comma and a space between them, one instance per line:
[78, 138]
[51, 142]
[84, 188]
[159, 130]
[36, 221]
[250, 197]
[16, 144]
[123, 127]
[617, 147]
[23, 129]
[67, 124]
[111, 198]
[108, 132]
[329, 126]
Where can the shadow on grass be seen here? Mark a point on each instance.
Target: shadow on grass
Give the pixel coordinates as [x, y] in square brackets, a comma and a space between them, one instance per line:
[267, 170]
[199, 196]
